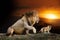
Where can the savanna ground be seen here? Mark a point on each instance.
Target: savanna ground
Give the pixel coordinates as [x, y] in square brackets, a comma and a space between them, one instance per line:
[38, 36]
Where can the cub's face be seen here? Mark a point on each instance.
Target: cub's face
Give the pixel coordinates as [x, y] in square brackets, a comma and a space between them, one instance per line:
[49, 27]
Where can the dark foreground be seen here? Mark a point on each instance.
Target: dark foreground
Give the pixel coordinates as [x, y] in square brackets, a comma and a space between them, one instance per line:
[39, 36]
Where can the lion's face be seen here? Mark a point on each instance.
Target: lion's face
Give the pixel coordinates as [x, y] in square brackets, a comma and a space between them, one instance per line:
[32, 17]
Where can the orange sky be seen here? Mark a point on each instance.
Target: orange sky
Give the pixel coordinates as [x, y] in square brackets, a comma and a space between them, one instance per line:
[33, 4]
[40, 5]
[46, 13]
[36, 3]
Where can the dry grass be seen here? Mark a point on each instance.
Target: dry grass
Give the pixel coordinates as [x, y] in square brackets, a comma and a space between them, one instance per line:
[39, 36]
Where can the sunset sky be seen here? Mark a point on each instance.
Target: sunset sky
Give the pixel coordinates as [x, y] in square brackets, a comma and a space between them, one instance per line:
[37, 3]
[13, 9]
[41, 5]
[49, 9]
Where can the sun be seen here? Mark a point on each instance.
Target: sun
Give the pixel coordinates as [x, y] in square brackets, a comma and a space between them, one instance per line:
[50, 16]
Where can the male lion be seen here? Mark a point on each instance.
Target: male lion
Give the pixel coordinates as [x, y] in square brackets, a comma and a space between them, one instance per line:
[26, 22]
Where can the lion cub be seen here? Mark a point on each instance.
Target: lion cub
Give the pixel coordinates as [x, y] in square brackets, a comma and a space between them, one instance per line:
[46, 29]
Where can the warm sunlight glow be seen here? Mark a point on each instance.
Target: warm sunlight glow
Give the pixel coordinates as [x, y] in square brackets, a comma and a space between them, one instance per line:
[50, 16]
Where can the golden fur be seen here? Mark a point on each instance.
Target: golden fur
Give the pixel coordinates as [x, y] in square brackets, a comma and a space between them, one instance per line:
[46, 29]
[21, 24]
